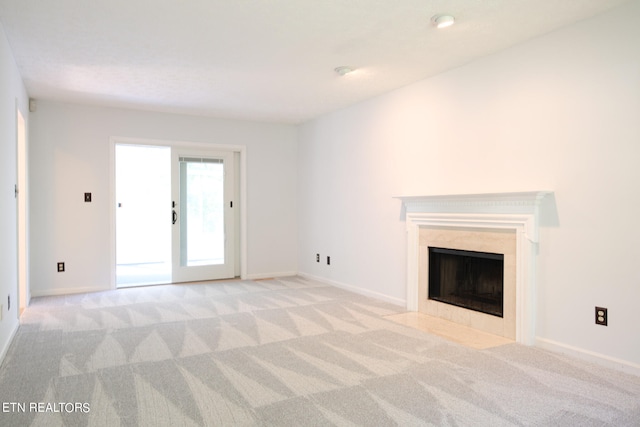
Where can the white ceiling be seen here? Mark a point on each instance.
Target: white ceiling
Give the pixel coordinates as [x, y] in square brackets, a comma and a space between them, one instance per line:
[267, 60]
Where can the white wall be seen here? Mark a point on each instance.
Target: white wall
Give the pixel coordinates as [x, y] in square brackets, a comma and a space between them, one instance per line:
[70, 156]
[560, 113]
[12, 95]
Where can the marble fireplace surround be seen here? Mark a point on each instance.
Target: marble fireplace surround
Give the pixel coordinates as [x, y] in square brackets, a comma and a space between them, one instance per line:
[492, 212]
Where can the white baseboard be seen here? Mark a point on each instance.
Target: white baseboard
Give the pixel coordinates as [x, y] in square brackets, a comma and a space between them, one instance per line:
[591, 356]
[258, 276]
[87, 289]
[8, 343]
[67, 291]
[355, 289]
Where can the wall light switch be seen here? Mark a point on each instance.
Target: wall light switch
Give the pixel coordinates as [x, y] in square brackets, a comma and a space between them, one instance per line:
[87, 197]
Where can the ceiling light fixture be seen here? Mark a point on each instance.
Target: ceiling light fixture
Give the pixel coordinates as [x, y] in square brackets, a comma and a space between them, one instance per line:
[443, 21]
[343, 70]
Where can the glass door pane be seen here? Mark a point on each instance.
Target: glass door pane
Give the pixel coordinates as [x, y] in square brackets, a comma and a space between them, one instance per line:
[202, 207]
[143, 230]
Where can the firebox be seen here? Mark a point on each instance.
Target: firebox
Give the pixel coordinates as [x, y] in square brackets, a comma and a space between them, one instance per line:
[469, 279]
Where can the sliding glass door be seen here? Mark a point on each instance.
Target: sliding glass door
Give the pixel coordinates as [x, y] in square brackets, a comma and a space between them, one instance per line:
[196, 241]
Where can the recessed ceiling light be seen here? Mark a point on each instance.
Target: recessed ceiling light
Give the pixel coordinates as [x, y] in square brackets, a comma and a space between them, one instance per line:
[343, 70]
[443, 21]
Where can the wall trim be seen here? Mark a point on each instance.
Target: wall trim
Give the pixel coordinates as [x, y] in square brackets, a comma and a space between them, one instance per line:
[260, 276]
[69, 291]
[356, 289]
[5, 349]
[621, 365]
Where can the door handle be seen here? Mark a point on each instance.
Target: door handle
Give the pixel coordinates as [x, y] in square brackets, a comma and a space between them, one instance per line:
[174, 217]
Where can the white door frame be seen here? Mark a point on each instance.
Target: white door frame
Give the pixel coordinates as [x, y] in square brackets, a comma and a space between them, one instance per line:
[241, 191]
[22, 209]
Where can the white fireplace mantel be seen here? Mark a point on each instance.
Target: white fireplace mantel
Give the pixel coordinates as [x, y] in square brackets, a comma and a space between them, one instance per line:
[511, 211]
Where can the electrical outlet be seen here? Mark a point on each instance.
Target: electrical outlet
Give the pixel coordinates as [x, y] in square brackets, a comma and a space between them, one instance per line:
[60, 267]
[601, 316]
[328, 260]
[317, 257]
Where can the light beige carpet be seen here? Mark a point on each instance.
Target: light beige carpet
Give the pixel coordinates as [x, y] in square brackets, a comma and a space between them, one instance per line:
[284, 352]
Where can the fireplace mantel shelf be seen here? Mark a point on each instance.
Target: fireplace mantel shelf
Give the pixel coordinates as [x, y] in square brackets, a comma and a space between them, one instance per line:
[517, 202]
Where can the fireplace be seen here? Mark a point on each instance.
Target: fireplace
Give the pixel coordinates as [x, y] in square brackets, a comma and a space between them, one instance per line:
[467, 279]
[497, 223]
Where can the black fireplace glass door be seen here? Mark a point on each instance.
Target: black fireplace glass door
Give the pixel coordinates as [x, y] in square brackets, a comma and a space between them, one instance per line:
[473, 280]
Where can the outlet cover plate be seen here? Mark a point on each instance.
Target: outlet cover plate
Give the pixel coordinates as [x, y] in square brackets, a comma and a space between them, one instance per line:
[602, 316]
